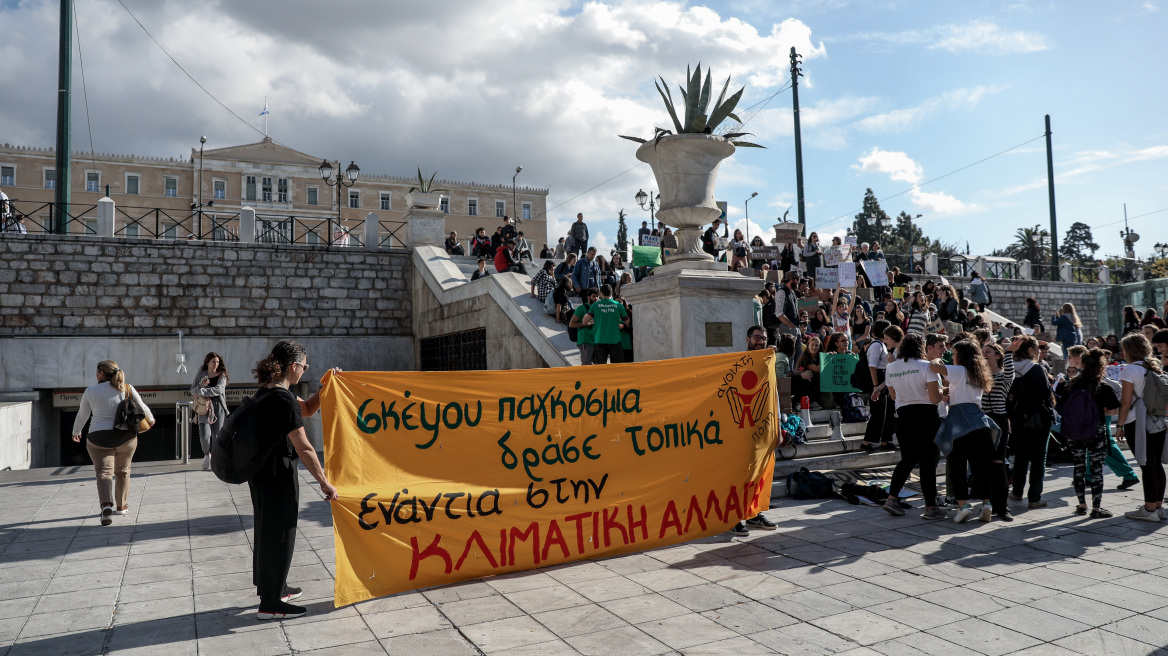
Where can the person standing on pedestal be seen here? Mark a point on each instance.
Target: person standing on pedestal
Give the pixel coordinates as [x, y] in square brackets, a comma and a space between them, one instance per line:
[710, 239]
[643, 232]
[579, 234]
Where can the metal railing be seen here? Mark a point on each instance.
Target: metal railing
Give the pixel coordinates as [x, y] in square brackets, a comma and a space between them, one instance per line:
[182, 431]
[47, 218]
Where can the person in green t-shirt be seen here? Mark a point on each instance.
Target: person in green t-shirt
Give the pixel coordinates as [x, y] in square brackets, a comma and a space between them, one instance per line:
[585, 328]
[609, 316]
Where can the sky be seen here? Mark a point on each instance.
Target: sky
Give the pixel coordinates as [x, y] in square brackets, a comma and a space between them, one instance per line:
[904, 97]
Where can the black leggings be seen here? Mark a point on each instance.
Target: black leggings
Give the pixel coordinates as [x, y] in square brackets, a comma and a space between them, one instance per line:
[882, 420]
[1030, 458]
[916, 426]
[1152, 473]
[977, 451]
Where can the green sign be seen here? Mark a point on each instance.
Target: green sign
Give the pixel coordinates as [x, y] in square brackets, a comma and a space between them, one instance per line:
[835, 372]
[646, 256]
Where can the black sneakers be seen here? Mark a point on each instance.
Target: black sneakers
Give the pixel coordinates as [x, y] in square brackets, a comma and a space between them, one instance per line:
[279, 610]
[291, 593]
[740, 530]
[1127, 483]
[761, 523]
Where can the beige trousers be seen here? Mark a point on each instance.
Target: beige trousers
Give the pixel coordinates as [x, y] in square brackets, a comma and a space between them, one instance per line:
[113, 471]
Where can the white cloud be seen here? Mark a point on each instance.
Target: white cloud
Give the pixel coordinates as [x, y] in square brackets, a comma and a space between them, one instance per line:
[898, 166]
[1149, 7]
[899, 120]
[981, 36]
[1090, 161]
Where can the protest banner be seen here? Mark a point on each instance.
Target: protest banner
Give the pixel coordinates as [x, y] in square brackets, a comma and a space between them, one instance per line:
[827, 278]
[646, 256]
[847, 274]
[788, 232]
[877, 271]
[446, 477]
[764, 252]
[835, 371]
[837, 255]
[651, 240]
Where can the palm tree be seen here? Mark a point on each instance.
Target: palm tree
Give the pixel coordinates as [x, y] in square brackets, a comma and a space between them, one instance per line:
[1030, 244]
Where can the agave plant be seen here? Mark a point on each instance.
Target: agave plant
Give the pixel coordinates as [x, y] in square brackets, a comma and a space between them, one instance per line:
[698, 119]
[426, 186]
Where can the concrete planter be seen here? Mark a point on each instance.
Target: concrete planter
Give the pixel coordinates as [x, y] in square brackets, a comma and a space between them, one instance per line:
[686, 168]
[418, 200]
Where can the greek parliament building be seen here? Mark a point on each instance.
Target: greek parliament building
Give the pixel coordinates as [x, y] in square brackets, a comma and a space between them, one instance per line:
[157, 197]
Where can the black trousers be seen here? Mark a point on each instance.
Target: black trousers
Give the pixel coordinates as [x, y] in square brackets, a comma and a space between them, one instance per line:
[999, 482]
[975, 451]
[1153, 476]
[883, 420]
[275, 500]
[1029, 459]
[916, 426]
[605, 353]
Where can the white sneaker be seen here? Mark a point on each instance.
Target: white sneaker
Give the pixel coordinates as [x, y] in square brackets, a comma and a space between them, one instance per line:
[122, 511]
[986, 512]
[1142, 514]
[207, 461]
[1163, 515]
[964, 514]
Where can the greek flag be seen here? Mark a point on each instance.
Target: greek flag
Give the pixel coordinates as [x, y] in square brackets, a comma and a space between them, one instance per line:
[265, 112]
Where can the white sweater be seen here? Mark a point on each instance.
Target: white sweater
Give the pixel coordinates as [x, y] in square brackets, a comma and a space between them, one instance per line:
[101, 401]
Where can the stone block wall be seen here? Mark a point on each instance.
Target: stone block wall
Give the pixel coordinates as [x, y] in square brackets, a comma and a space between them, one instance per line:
[66, 284]
[1010, 299]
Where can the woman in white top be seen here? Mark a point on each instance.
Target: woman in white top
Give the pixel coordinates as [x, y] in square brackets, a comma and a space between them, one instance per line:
[967, 436]
[111, 450]
[1143, 431]
[740, 251]
[916, 391]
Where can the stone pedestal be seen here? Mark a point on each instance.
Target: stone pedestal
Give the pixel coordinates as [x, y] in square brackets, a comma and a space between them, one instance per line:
[426, 227]
[671, 312]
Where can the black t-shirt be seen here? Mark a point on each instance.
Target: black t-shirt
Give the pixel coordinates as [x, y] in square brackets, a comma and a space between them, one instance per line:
[277, 414]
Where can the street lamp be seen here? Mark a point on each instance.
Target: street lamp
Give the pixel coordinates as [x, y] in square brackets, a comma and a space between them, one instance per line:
[642, 197]
[746, 204]
[350, 178]
[514, 206]
[198, 204]
[1161, 250]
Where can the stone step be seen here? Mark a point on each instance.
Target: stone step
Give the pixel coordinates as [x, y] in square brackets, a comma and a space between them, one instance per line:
[832, 462]
[823, 431]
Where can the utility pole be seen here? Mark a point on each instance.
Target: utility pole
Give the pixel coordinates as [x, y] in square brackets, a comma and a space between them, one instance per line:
[1054, 258]
[62, 194]
[795, 73]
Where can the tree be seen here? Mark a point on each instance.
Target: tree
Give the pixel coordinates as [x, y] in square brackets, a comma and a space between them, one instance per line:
[622, 234]
[1079, 245]
[1028, 246]
[868, 228]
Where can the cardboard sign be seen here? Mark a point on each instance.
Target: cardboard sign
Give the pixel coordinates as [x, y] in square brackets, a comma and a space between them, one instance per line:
[447, 478]
[651, 240]
[788, 233]
[809, 305]
[847, 274]
[852, 240]
[877, 271]
[646, 256]
[827, 278]
[722, 205]
[898, 293]
[835, 371]
[837, 254]
[764, 252]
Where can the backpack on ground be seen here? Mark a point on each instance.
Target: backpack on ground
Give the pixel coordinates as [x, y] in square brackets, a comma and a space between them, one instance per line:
[127, 417]
[237, 454]
[805, 484]
[1155, 392]
[1080, 417]
[854, 409]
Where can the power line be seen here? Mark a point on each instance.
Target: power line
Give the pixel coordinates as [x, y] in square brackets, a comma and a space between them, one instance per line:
[592, 188]
[1130, 218]
[915, 187]
[84, 90]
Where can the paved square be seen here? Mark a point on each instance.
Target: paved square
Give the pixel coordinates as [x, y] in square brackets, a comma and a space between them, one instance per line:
[174, 578]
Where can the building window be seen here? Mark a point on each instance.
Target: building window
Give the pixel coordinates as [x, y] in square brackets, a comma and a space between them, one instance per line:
[282, 190]
[7, 176]
[251, 188]
[220, 189]
[312, 195]
[171, 187]
[132, 185]
[500, 208]
[50, 179]
[132, 231]
[170, 231]
[526, 211]
[444, 205]
[90, 227]
[266, 191]
[472, 207]
[92, 183]
[385, 200]
[311, 238]
[354, 198]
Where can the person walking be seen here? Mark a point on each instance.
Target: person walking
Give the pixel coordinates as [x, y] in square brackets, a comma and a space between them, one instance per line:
[1143, 430]
[967, 437]
[209, 391]
[579, 234]
[1001, 365]
[275, 488]
[1115, 459]
[917, 391]
[608, 318]
[110, 449]
[1031, 415]
[1070, 328]
[883, 420]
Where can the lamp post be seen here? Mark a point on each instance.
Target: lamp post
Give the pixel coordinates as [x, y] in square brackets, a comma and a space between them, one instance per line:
[746, 204]
[1161, 250]
[514, 206]
[652, 197]
[350, 178]
[199, 196]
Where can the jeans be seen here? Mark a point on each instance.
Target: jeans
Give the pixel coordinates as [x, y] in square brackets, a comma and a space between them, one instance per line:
[112, 467]
[975, 450]
[1030, 456]
[916, 425]
[208, 432]
[1096, 451]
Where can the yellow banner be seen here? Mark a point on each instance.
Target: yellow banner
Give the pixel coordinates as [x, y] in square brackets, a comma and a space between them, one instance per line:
[448, 476]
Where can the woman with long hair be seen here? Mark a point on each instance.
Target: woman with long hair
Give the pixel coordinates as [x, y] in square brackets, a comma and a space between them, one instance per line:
[860, 323]
[967, 436]
[607, 277]
[668, 242]
[564, 269]
[805, 376]
[111, 449]
[1070, 327]
[1143, 431]
[1031, 415]
[1033, 318]
[812, 255]
[916, 391]
[1151, 318]
[739, 250]
[918, 314]
[756, 260]
[544, 282]
[209, 391]
[1090, 382]
[1001, 365]
[979, 293]
[275, 488]
[1131, 320]
[562, 297]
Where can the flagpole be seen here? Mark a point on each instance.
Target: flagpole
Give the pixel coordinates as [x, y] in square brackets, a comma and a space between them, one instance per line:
[265, 116]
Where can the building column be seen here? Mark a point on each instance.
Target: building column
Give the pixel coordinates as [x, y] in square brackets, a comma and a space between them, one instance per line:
[105, 217]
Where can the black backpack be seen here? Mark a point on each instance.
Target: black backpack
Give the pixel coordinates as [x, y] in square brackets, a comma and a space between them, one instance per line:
[862, 378]
[127, 417]
[769, 320]
[238, 454]
[805, 484]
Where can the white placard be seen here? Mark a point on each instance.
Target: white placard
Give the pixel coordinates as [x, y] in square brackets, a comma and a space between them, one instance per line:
[788, 232]
[651, 240]
[877, 271]
[852, 240]
[847, 274]
[945, 281]
[836, 255]
[827, 277]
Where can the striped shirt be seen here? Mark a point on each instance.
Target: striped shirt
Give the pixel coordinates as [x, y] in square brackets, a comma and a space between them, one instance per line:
[994, 402]
[917, 320]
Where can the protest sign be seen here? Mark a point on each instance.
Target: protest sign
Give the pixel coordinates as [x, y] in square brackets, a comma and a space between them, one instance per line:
[788, 233]
[646, 256]
[944, 280]
[837, 255]
[847, 274]
[808, 305]
[835, 371]
[852, 240]
[651, 240]
[877, 271]
[898, 293]
[447, 477]
[827, 278]
[764, 252]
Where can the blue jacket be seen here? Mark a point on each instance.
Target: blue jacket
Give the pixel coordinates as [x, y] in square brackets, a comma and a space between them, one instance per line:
[1066, 330]
[586, 274]
[963, 419]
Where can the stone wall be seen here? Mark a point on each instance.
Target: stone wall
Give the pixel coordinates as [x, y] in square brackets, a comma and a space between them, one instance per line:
[1010, 299]
[56, 284]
